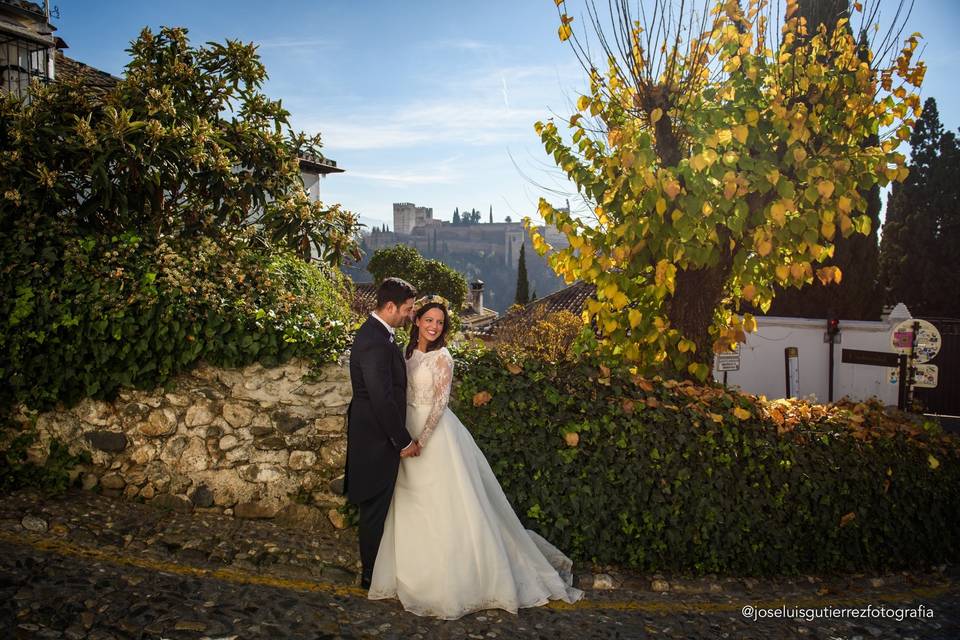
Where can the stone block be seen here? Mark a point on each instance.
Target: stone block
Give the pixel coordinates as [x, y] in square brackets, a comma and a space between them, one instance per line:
[254, 510]
[160, 422]
[301, 460]
[237, 414]
[111, 441]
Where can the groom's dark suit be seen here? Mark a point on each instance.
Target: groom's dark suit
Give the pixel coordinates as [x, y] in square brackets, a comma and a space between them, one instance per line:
[376, 431]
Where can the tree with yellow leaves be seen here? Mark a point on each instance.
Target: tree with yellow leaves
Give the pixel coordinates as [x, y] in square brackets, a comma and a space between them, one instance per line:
[721, 151]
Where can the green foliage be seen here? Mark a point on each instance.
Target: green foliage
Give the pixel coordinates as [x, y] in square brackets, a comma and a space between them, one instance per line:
[662, 476]
[113, 312]
[428, 276]
[921, 236]
[186, 144]
[157, 224]
[18, 470]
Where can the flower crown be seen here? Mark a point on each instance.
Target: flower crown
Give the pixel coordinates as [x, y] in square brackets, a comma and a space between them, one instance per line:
[425, 300]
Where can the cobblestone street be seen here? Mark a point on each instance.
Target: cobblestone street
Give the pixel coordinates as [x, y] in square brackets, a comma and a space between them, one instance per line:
[86, 566]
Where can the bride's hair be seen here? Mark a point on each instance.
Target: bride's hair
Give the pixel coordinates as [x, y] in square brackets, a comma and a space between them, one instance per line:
[441, 340]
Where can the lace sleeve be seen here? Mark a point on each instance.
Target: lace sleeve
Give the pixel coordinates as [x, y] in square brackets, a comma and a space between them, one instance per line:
[442, 369]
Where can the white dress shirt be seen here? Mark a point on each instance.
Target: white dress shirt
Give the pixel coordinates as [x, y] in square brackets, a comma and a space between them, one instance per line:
[384, 323]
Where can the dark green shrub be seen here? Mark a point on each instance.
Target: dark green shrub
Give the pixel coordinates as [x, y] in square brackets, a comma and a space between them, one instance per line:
[17, 470]
[669, 476]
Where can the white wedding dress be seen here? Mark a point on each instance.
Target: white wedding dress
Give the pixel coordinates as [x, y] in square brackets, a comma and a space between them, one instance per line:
[452, 543]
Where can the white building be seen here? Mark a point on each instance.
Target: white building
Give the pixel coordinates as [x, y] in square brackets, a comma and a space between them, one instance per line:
[763, 366]
[407, 215]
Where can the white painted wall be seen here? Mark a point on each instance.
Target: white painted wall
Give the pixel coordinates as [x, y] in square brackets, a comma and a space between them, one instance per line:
[311, 182]
[762, 370]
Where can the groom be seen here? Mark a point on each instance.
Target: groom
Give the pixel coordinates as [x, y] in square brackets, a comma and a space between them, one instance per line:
[376, 421]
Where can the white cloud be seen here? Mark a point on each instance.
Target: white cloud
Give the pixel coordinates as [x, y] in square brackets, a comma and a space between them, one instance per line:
[402, 178]
[473, 110]
[296, 43]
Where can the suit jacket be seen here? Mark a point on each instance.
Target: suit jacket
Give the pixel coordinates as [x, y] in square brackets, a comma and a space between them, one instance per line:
[377, 417]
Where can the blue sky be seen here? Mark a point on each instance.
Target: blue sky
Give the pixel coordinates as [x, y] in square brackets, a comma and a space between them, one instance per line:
[431, 102]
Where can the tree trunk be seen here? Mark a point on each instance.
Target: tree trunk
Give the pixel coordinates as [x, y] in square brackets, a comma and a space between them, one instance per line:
[697, 295]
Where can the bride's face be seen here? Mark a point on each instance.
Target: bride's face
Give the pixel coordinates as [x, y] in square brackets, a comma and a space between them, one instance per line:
[430, 324]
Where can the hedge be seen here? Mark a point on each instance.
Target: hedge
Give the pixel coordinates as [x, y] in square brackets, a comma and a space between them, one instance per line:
[671, 476]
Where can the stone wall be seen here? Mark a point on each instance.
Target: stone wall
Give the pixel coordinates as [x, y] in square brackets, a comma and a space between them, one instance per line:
[252, 442]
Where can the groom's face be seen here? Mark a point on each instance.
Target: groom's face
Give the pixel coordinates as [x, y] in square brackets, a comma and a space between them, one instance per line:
[399, 316]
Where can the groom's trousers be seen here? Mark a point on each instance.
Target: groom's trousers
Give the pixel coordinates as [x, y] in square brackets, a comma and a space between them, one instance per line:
[373, 515]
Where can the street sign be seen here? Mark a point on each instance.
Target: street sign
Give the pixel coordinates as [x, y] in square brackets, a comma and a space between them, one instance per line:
[728, 361]
[874, 358]
[925, 376]
[926, 344]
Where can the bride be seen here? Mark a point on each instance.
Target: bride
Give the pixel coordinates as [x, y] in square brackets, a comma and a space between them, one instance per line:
[452, 543]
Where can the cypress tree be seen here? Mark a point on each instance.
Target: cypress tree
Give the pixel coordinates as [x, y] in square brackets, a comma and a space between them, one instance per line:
[456, 216]
[920, 251]
[523, 285]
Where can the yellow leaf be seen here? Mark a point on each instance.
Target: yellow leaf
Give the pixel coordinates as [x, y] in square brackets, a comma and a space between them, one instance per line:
[671, 188]
[635, 317]
[783, 271]
[564, 32]
[749, 323]
[933, 462]
[514, 368]
[572, 439]
[752, 117]
[481, 398]
[825, 189]
[779, 213]
[844, 204]
[655, 115]
[611, 325]
[799, 154]
[724, 136]
[716, 417]
[828, 229]
[740, 132]
[796, 270]
[773, 177]
[620, 300]
[583, 103]
[749, 292]
[661, 206]
[741, 414]
[682, 346]
[837, 275]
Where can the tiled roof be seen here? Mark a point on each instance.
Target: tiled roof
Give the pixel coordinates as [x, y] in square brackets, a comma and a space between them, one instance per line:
[319, 164]
[68, 69]
[364, 297]
[24, 5]
[572, 298]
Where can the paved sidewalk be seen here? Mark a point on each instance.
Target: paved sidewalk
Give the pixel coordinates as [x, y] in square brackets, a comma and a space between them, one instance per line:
[86, 566]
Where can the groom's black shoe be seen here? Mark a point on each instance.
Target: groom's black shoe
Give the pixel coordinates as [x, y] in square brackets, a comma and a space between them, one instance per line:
[364, 583]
